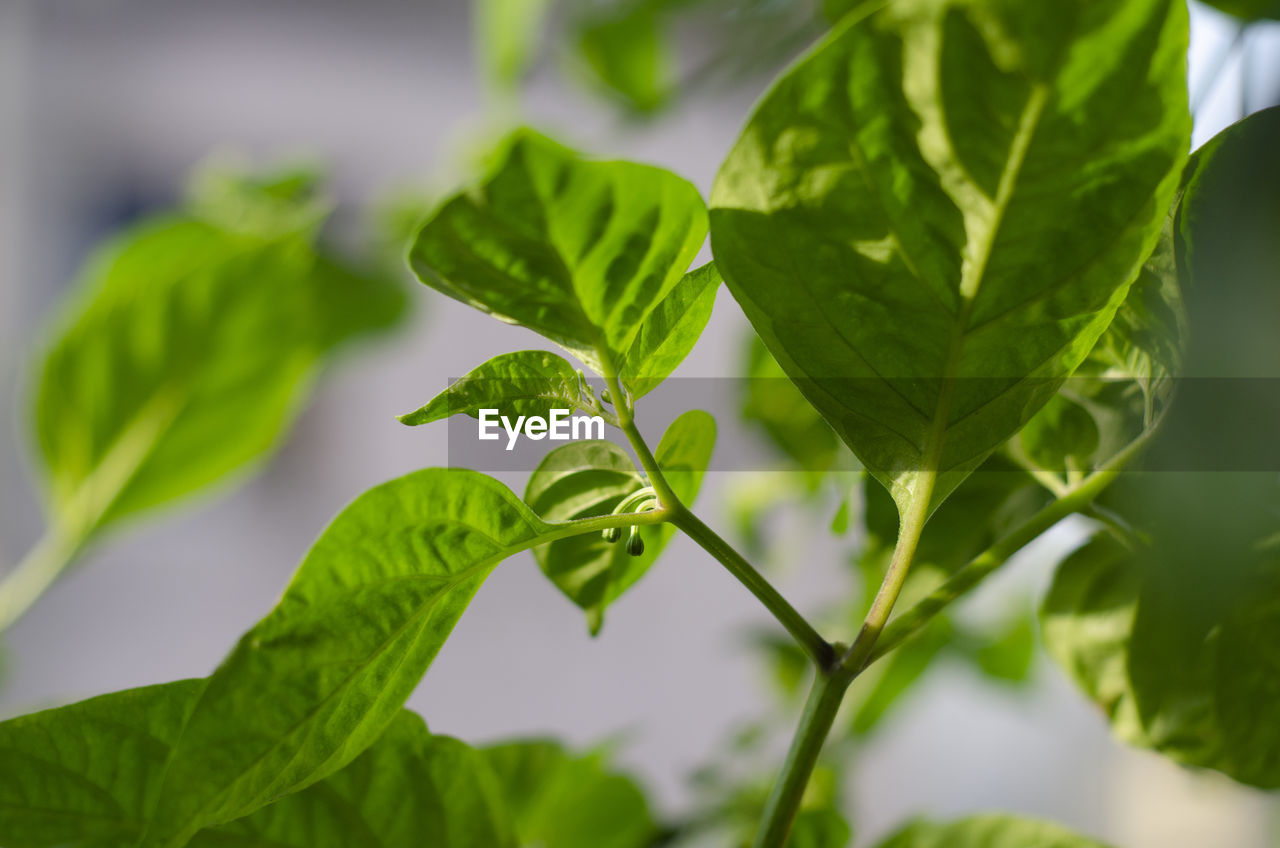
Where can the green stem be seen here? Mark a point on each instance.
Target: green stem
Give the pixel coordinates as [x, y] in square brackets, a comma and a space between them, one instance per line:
[38, 570]
[815, 724]
[1078, 498]
[818, 648]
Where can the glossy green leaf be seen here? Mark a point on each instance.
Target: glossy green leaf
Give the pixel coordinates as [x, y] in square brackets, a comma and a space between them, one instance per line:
[933, 216]
[670, 332]
[557, 798]
[624, 49]
[590, 478]
[988, 831]
[316, 681]
[185, 354]
[528, 382]
[509, 35]
[580, 251]
[409, 789]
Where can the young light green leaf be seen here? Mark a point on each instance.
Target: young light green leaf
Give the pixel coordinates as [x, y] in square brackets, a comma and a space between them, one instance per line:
[316, 681]
[184, 356]
[590, 478]
[670, 331]
[528, 382]
[988, 831]
[409, 789]
[580, 251]
[85, 775]
[569, 801]
[932, 217]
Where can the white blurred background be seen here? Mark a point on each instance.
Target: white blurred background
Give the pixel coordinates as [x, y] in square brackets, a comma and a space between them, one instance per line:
[105, 105]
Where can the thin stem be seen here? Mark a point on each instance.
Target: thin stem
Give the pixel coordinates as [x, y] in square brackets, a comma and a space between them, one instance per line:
[819, 649]
[911, 621]
[38, 570]
[815, 724]
[627, 423]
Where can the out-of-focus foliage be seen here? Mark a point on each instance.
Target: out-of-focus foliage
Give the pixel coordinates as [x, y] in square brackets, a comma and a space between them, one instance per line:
[189, 346]
[990, 831]
[1172, 627]
[1249, 10]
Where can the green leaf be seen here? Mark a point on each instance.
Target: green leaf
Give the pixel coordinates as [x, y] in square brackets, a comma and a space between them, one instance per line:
[988, 831]
[1248, 10]
[185, 354]
[590, 478]
[671, 330]
[528, 382]
[509, 34]
[1121, 390]
[86, 774]
[1007, 652]
[316, 681]
[933, 216]
[624, 50]
[580, 251]
[409, 789]
[820, 828]
[569, 801]
[790, 421]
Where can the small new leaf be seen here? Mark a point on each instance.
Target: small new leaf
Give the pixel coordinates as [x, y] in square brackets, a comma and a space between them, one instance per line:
[580, 251]
[591, 478]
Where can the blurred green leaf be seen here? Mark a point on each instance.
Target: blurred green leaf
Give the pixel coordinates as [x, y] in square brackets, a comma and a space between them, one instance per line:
[1248, 10]
[567, 801]
[930, 240]
[587, 478]
[882, 685]
[1005, 652]
[509, 36]
[580, 251]
[820, 828]
[988, 831]
[624, 50]
[528, 382]
[187, 351]
[789, 420]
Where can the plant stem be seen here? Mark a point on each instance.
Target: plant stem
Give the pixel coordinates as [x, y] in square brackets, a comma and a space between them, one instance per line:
[815, 724]
[1078, 498]
[818, 648]
[800, 629]
[30, 578]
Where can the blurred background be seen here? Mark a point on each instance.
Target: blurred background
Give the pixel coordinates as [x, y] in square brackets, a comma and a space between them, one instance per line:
[105, 109]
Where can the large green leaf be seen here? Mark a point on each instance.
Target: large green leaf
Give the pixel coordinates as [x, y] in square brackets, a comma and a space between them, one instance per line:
[315, 682]
[185, 354]
[932, 218]
[590, 478]
[790, 421]
[580, 251]
[989, 831]
[1121, 390]
[527, 382]
[567, 801]
[409, 789]
[85, 776]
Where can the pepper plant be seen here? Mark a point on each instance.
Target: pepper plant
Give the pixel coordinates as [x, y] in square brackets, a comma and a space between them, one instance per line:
[969, 235]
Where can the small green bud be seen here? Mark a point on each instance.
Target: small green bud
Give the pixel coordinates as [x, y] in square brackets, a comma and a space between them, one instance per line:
[635, 544]
[611, 534]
